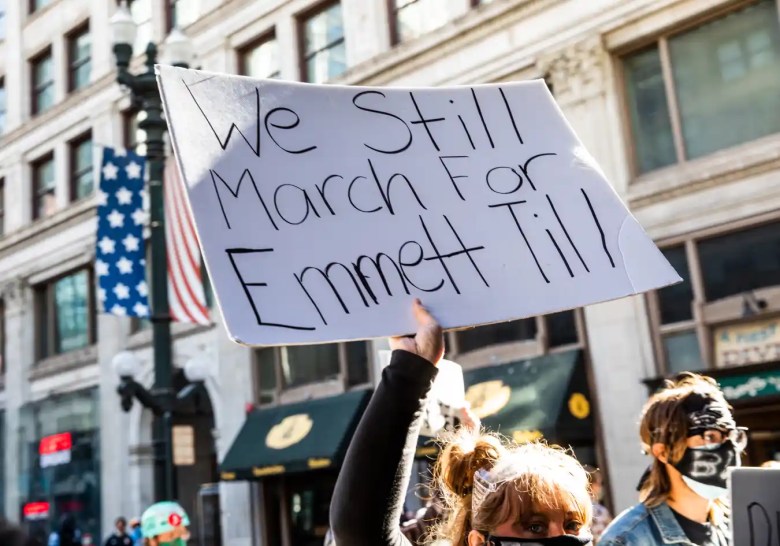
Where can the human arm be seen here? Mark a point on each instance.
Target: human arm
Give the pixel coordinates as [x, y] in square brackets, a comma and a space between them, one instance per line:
[369, 494]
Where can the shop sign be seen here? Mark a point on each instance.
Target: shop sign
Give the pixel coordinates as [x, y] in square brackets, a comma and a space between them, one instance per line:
[752, 343]
[55, 449]
[183, 445]
[36, 510]
[745, 387]
[289, 431]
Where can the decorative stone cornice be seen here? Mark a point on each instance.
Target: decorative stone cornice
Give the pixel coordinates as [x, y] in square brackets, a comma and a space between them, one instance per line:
[15, 292]
[577, 72]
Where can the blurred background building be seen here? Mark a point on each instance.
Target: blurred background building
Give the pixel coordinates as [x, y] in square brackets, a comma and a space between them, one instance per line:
[678, 100]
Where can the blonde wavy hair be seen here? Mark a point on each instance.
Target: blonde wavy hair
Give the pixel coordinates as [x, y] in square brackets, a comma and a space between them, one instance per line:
[544, 478]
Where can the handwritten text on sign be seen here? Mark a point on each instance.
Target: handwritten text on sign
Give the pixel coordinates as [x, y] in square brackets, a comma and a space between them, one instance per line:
[322, 210]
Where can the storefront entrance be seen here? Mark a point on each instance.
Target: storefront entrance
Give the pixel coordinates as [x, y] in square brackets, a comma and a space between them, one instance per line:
[763, 422]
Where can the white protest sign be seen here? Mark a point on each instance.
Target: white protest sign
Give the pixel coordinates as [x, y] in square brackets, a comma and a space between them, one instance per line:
[322, 211]
[755, 506]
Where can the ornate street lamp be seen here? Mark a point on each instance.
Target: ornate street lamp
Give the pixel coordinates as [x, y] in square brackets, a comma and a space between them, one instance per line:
[145, 96]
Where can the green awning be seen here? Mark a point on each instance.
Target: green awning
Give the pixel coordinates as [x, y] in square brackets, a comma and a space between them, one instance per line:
[294, 438]
[546, 396]
[543, 397]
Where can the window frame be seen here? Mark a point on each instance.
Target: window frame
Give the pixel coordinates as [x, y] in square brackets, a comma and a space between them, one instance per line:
[73, 174]
[35, 169]
[392, 12]
[4, 111]
[32, 8]
[284, 394]
[502, 353]
[245, 49]
[74, 65]
[35, 89]
[2, 206]
[660, 40]
[708, 315]
[45, 303]
[301, 20]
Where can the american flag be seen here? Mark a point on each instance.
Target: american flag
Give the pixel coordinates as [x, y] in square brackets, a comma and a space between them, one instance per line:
[120, 262]
[185, 281]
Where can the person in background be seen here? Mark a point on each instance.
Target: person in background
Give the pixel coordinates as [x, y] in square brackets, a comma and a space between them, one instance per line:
[495, 493]
[135, 532]
[68, 534]
[601, 515]
[770, 464]
[689, 430]
[11, 535]
[165, 524]
[119, 537]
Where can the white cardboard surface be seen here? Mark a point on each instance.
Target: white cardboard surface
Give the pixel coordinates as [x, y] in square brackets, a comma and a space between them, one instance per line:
[489, 210]
[755, 506]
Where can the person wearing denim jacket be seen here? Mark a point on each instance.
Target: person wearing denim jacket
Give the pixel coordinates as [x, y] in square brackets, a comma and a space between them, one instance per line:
[689, 430]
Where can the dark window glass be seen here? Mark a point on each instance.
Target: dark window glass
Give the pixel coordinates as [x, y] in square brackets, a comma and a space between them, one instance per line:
[357, 362]
[3, 105]
[82, 177]
[182, 13]
[414, 18]
[260, 60]
[265, 360]
[651, 125]
[727, 79]
[304, 364]
[2, 206]
[42, 83]
[323, 44]
[741, 261]
[675, 301]
[2, 339]
[682, 352]
[79, 59]
[35, 5]
[44, 202]
[505, 332]
[561, 328]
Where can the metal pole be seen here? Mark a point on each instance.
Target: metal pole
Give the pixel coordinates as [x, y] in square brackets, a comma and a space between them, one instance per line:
[155, 127]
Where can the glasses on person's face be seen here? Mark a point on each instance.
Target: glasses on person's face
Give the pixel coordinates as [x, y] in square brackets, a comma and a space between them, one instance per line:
[713, 439]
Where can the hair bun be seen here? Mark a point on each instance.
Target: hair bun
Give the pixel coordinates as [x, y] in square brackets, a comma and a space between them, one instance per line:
[464, 454]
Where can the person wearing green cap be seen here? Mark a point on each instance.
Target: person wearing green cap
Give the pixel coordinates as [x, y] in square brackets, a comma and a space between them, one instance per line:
[165, 524]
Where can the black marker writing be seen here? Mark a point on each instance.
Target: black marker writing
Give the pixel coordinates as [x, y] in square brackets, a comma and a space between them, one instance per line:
[524, 167]
[482, 118]
[292, 125]
[598, 225]
[566, 232]
[215, 175]
[326, 276]
[453, 177]
[382, 113]
[509, 206]
[425, 121]
[511, 115]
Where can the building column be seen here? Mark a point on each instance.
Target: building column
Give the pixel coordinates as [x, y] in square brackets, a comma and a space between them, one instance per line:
[618, 336]
[234, 380]
[18, 360]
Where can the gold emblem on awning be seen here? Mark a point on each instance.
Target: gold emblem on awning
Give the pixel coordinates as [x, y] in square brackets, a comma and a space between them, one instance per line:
[289, 431]
[579, 406]
[488, 398]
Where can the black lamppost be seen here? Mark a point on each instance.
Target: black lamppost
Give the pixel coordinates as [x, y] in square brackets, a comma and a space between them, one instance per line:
[146, 97]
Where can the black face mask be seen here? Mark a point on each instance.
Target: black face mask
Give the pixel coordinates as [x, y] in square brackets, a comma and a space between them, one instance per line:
[708, 467]
[563, 540]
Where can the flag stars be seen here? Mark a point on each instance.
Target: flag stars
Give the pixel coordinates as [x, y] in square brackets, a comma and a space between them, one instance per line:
[106, 245]
[116, 219]
[138, 216]
[102, 198]
[141, 310]
[133, 170]
[121, 291]
[101, 294]
[110, 171]
[132, 243]
[124, 266]
[124, 196]
[101, 267]
[118, 310]
[142, 289]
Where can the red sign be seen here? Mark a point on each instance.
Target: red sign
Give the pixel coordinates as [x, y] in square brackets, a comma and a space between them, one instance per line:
[174, 519]
[36, 510]
[55, 443]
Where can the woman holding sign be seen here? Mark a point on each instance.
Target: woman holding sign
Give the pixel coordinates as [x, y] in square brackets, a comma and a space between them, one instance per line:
[497, 494]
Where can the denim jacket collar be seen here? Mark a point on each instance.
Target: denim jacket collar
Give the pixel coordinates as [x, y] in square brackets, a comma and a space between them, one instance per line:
[667, 525]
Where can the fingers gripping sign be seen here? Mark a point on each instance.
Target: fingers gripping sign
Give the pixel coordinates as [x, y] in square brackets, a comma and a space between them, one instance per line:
[428, 341]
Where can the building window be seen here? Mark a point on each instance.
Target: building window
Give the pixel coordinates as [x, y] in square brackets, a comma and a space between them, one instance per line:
[141, 10]
[324, 52]
[295, 366]
[79, 59]
[36, 5]
[65, 314]
[44, 200]
[260, 59]
[82, 180]
[541, 334]
[3, 104]
[413, 18]
[181, 13]
[2, 19]
[705, 89]
[42, 71]
[724, 276]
